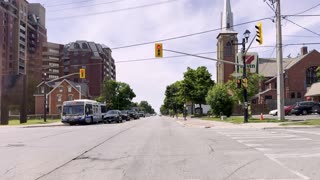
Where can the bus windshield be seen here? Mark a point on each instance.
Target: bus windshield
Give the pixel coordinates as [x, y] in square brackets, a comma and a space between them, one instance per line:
[73, 110]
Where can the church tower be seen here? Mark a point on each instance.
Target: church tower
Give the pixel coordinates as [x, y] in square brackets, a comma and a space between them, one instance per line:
[225, 49]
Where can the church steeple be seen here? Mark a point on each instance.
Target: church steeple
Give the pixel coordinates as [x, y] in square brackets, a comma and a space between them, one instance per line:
[226, 17]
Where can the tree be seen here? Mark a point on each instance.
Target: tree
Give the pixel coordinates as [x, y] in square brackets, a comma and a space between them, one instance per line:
[173, 97]
[164, 110]
[116, 95]
[145, 106]
[197, 83]
[220, 100]
[253, 87]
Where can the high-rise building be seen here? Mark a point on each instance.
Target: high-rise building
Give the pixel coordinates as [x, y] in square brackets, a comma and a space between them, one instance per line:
[22, 32]
[95, 58]
[51, 57]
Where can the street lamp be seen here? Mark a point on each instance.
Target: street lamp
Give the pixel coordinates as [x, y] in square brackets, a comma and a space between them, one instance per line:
[45, 98]
[246, 35]
[79, 90]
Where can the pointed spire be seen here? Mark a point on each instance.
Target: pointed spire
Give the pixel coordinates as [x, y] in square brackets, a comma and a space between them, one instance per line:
[227, 17]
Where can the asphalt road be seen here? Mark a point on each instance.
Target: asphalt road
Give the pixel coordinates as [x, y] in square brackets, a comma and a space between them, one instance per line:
[158, 148]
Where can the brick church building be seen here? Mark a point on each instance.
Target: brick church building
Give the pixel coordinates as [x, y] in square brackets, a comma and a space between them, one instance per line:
[299, 72]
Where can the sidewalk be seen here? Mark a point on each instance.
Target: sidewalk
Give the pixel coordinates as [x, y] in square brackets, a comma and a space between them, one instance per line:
[195, 122]
[34, 125]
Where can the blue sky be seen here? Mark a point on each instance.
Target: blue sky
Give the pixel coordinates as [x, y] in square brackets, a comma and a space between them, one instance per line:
[150, 78]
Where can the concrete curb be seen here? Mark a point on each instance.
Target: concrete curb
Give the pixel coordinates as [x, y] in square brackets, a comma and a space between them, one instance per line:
[38, 126]
[292, 127]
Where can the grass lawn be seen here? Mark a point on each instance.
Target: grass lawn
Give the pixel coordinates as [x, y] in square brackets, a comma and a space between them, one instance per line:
[239, 120]
[313, 122]
[33, 121]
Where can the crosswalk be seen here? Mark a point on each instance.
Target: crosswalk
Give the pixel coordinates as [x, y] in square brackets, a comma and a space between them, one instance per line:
[279, 145]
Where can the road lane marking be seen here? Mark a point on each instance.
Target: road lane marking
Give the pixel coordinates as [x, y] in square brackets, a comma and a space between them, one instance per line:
[284, 166]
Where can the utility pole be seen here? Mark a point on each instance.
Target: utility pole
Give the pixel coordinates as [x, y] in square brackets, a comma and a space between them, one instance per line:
[280, 86]
[45, 99]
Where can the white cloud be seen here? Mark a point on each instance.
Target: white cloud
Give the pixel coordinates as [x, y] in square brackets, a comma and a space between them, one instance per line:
[150, 78]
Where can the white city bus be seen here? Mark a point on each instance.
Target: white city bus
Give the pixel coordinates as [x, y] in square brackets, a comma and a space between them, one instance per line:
[81, 111]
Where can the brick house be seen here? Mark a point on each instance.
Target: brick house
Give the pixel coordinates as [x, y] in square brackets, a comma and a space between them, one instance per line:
[299, 75]
[57, 93]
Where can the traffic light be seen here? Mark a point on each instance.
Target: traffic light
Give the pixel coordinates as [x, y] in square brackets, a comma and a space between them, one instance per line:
[239, 83]
[82, 73]
[158, 50]
[259, 38]
[245, 82]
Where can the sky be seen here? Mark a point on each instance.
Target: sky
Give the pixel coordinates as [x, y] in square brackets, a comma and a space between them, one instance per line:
[118, 23]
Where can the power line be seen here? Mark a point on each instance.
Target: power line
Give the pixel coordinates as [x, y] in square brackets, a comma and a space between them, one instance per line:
[302, 27]
[308, 9]
[301, 36]
[303, 15]
[184, 36]
[91, 5]
[70, 3]
[114, 11]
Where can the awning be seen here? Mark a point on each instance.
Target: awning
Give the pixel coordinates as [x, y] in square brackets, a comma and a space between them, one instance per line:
[314, 90]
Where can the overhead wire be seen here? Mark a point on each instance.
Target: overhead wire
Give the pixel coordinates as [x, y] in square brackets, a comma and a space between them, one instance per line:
[91, 5]
[307, 29]
[69, 3]
[113, 11]
[186, 35]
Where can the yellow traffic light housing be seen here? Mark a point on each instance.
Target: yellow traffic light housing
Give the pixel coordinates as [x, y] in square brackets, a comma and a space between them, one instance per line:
[82, 73]
[158, 50]
[245, 82]
[259, 38]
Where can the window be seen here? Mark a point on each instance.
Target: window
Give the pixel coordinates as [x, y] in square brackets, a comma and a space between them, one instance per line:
[76, 46]
[59, 97]
[42, 89]
[84, 46]
[311, 75]
[268, 97]
[69, 89]
[228, 49]
[293, 95]
[70, 97]
[299, 95]
[60, 88]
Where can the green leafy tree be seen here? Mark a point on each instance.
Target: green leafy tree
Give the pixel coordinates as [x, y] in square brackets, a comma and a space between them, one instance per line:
[253, 87]
[220, 100]
[116, 95]
[173, 97]
[146, 107]
[197, 83]
[164, 110]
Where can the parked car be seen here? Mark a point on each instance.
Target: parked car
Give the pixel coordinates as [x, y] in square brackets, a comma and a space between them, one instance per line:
[113, 116]
[125, 115]
[316, 108]
[303, 107]
[287, 111]
[133, 114]
[141, 114]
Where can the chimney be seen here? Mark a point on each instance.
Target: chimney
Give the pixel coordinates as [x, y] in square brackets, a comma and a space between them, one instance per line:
[304, 50]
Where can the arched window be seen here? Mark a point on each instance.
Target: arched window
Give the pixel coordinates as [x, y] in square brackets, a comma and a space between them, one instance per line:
[293, 95]
[84, 46]
[228, 49]
[311, 75]
[76, 46]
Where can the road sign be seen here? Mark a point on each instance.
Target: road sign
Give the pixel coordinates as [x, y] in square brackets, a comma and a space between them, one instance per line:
[252, 62]
[82, 73]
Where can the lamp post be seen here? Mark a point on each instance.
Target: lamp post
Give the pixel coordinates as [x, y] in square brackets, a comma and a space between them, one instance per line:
[79, 90]
[45, 98]
[244, 72]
